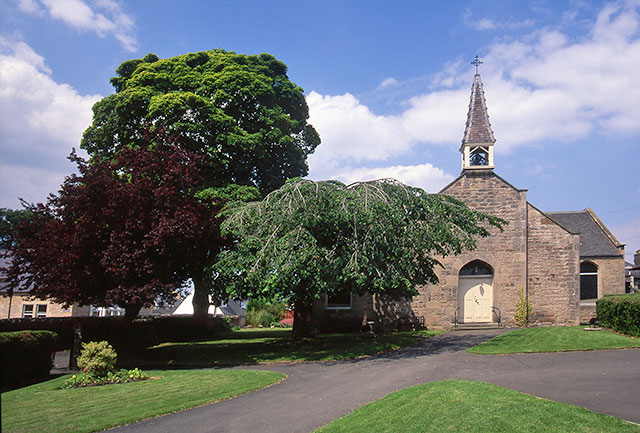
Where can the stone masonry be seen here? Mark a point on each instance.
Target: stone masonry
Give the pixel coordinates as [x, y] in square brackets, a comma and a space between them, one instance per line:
[530, 245]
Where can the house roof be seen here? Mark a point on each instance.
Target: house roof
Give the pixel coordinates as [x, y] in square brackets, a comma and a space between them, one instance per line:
[5, 262]
[478, 128]
[595, 239]
[478, 173]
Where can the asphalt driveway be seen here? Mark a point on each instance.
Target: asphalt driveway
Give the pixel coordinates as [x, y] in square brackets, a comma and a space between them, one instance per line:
[313, 394]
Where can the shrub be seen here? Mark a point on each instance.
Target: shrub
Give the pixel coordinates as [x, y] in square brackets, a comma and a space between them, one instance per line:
[287, 323]
[620, 313]
[97, 358]
[26, 356]
[125, 336]
[264, 313]
[121, 376]
[523, 310]
[259, 318]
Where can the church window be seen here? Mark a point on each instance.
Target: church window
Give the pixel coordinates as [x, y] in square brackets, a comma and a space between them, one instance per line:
[339, 301]
[476, 267]
[588, 280]
[479, 156]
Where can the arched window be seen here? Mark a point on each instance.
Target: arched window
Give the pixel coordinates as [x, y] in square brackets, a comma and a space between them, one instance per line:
[476, 267]
[588, 280]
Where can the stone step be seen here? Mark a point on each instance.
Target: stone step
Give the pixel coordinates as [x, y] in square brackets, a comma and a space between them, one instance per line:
[472, 326]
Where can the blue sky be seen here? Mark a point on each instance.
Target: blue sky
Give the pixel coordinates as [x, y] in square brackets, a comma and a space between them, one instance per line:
[387, 85]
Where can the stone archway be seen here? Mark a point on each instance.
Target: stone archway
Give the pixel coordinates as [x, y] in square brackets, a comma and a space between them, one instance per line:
[475, 293]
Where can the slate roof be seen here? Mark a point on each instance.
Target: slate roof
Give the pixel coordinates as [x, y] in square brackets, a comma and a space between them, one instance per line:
[595, 239]
[5, 262]
[478, 128]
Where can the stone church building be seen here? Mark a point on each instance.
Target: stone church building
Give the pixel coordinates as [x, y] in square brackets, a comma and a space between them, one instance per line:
[562, 261]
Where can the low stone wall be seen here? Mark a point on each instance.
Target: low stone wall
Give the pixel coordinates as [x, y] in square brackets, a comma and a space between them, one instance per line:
[587, 311]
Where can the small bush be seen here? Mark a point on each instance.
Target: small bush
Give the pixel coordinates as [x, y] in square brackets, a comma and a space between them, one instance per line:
[121, 376]
[97, 358]
[26, 356]
[264, 313]
[620, 313]
[523, 310]
[287, 323]
[259, 318]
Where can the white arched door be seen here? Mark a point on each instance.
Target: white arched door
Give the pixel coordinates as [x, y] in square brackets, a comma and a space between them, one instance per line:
[475, 293]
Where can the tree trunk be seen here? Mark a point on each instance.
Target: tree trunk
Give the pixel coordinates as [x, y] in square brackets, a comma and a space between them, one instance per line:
[200, 298]
[302, 321]
[131, 311]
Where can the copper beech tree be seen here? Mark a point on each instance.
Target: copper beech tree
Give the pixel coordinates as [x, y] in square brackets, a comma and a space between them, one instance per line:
[125, 231]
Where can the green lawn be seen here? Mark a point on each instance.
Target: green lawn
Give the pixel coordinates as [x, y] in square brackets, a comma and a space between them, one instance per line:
[554, 339]
[251, 346]
[43, 408]
[465, 406]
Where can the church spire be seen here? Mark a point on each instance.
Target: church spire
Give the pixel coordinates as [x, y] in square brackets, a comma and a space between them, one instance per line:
[478, 139]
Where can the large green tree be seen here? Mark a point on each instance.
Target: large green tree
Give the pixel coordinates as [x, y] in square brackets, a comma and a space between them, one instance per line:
[242, 113]
[9, 220]
[309, 238]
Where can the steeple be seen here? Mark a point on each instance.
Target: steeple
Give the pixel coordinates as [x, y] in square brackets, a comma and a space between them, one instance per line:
[478, 139]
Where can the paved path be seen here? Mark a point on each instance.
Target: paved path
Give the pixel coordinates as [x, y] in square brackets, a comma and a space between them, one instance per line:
[313, 394]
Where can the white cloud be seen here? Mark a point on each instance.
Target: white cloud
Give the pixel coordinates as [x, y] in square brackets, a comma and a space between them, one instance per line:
[29, 6]
[425, 176]
[351, 133]
[388, 82]
[488, 24]
[40, 121]
[105, 18]
[545, 86]
[629, 234]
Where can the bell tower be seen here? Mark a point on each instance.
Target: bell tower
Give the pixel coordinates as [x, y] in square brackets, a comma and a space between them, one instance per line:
[478, 139]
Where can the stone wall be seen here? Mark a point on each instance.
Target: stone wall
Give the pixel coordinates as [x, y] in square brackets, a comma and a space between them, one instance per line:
[610, 281]
[610, 274]
[587, 311]
[553, 272]
[330, 320]
[503, 250]
[553, 266]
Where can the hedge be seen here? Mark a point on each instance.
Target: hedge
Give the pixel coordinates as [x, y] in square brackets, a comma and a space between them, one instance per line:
[126, 337]
[26, 356]
[620, 313]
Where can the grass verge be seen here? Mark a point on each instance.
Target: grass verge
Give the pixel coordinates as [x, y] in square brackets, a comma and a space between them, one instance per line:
[465, 406]
[553, 339]
[252, 346]
[43, 407]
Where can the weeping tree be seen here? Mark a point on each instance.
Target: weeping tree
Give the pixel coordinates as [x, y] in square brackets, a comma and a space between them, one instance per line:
[312, 238]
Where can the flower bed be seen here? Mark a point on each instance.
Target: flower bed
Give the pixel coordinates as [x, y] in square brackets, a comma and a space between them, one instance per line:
[120, 376]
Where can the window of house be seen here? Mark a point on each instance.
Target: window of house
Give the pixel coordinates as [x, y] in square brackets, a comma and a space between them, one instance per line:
[27, 310]
[41, 310]
[588, 280]
[339, 301]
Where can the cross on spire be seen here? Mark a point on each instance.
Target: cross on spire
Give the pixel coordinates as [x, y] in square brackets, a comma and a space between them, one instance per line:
[477, 62]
